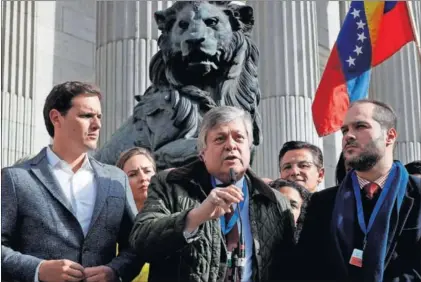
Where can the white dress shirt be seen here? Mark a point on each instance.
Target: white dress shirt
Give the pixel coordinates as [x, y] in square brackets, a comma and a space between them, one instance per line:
[79, 189]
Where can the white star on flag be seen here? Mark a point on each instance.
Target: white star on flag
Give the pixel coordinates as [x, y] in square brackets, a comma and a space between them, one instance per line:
[358, 50]
[361, 24]
[350, 61]
[361, 36]
[355, 13]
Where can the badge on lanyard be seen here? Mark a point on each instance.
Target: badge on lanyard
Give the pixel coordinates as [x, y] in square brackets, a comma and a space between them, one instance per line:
[357, 254]
[356, 258]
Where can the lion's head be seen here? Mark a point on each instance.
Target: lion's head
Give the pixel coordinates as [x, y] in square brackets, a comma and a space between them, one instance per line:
[198, 37]
[207, 44]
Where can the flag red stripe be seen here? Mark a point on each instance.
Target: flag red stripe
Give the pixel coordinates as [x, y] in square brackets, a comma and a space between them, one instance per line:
[331, 100]
[395, 31]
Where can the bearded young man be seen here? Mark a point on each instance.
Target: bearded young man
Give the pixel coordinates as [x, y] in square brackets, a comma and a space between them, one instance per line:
[184, 230]
[369, 227]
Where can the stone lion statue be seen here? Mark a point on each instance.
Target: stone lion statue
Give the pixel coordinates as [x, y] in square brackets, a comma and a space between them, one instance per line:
[206, 59]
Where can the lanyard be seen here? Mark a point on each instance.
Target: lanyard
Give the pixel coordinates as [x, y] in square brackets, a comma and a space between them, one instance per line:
[360, 212]
[226, 227]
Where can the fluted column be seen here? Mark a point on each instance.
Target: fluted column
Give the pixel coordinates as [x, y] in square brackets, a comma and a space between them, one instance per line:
[126, 41]
[17, 89]
[397, 82]
[285, 32]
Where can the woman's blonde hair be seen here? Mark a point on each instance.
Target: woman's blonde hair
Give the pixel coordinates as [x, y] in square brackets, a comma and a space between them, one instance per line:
[126, 155]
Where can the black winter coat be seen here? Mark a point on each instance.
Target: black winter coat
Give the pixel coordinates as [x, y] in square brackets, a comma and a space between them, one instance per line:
[158, 230]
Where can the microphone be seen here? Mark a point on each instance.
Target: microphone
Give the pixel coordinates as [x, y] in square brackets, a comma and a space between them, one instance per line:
[233, 179]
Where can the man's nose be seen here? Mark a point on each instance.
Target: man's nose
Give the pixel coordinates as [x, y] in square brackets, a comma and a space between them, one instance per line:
[230, 144]
[97, 123]
[295, 170]
[348, 137]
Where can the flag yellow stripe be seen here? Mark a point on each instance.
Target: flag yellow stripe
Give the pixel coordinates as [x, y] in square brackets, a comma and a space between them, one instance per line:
[374, 14]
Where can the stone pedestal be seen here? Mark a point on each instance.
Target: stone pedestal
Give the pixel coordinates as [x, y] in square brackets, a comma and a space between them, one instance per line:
[288, 72]
[126, 41]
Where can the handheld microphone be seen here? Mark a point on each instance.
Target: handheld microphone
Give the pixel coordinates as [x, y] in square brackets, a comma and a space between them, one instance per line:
[233, 179]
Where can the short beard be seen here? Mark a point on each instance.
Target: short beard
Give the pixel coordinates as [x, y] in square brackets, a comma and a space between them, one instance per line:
[364, 162]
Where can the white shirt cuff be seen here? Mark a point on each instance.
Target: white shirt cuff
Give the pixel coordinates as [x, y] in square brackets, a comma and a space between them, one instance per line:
[36, 272]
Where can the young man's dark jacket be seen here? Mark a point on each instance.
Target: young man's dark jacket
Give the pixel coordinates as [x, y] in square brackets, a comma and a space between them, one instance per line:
[403, 257]
[158, 230]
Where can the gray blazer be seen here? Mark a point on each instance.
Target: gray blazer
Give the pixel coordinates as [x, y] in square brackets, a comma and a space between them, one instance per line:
[37, 221]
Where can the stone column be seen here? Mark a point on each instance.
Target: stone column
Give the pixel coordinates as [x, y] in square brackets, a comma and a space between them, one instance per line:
[126, 41]
[17, 89]
[397, 82]
[286, 34]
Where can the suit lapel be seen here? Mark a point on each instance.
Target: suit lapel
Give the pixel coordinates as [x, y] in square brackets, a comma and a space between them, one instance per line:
[42, 170]
[102, 182]
[396, 226]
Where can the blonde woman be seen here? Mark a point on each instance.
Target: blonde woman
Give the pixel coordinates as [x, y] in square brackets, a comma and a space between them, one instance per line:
[139, 166]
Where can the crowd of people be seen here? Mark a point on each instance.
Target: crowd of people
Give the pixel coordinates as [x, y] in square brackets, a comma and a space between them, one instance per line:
[68, 217]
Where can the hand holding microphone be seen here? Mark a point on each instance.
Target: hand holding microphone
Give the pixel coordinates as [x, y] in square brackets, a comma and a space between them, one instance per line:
[218, 203]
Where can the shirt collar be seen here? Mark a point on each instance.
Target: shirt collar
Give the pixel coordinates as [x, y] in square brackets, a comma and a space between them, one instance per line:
[379, 181]
[239, 183]
[55, 161]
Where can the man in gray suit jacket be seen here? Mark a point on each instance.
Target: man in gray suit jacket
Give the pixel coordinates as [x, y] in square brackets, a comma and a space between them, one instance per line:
[63, 213]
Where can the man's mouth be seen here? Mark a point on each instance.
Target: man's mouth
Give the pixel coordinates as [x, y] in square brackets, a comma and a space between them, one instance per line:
[353, 146]
[299, 180]
[230, 158]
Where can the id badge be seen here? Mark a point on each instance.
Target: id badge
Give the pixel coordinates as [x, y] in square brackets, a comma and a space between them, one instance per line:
[229, 259]
[356, 258]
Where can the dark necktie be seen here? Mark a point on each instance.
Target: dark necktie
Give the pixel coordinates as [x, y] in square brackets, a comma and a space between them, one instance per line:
[369, 199]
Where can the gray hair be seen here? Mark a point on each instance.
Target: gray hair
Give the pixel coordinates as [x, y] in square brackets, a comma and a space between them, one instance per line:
[221, 115]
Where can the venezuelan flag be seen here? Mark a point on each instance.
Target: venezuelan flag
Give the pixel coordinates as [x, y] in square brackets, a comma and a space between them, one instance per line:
[372, 32]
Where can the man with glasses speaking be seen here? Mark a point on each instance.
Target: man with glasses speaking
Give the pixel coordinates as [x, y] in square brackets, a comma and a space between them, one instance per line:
[302, 162]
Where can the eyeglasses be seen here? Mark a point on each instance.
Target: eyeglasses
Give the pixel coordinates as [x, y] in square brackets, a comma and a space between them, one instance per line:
[303, 165]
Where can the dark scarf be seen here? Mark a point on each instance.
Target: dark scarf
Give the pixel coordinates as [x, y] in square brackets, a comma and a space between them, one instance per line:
[345, 215]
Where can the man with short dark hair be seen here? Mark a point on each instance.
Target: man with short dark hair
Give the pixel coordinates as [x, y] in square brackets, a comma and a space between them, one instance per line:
[63, 213]
[214, 219]
[367, 228]
[301, 162]
[414, 168]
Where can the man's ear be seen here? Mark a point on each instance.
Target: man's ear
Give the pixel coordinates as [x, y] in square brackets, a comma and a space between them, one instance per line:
[391, 136]
[54, 116]
[321, 175]
[201, 156]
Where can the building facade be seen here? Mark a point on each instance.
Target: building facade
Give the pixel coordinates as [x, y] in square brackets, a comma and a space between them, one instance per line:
[111, 43]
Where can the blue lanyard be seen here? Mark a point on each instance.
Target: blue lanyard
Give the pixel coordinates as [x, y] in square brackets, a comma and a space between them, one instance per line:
[360, 212]
[226, 227]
